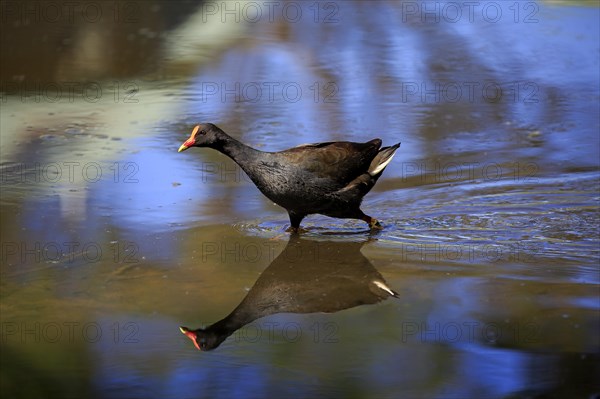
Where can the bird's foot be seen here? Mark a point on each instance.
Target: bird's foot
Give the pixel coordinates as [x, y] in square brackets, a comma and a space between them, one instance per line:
[375, 225]
[295, 230]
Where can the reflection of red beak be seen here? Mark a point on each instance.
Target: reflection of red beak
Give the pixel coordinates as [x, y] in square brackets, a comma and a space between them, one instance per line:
[190, 334]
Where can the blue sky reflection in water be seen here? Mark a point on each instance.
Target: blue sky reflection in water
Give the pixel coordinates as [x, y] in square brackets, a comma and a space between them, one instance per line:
[490, 206]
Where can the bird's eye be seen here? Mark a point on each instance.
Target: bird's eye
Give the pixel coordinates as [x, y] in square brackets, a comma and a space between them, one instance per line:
[202, 132]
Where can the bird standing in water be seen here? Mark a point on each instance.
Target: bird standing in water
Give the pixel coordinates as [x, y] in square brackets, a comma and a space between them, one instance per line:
[326, 178]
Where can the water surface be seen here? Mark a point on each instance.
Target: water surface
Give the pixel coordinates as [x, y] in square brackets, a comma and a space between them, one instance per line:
[111, 239]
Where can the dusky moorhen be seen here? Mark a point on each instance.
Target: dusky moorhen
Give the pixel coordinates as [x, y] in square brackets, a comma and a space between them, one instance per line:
[327, 178]
[308, 276]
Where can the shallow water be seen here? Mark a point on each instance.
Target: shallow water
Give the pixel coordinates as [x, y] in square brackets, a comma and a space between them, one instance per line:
[111, 239]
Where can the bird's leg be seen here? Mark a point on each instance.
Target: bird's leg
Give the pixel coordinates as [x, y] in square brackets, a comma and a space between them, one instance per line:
[295, 220]
[372, 222]
[375, 225]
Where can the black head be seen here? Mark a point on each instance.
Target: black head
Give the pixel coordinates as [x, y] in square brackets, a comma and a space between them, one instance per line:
[204, 135]
[204, 340]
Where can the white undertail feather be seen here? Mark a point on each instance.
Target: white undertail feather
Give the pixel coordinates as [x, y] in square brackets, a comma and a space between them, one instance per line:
[384, 287]
[382, 165]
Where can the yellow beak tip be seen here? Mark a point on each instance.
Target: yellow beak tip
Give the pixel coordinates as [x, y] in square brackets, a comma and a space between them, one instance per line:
[182, 148]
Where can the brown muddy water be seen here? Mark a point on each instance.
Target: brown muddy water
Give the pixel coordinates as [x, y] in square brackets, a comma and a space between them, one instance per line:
[111, 239]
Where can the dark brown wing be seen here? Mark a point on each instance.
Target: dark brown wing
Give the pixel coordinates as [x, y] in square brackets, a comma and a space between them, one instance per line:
[341, 161]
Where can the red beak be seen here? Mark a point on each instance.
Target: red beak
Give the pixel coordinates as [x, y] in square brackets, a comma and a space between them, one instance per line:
[190, 334]
[189, 142]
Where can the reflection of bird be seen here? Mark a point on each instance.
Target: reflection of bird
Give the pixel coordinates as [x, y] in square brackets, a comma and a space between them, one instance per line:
[307, 277]
[327, 178]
